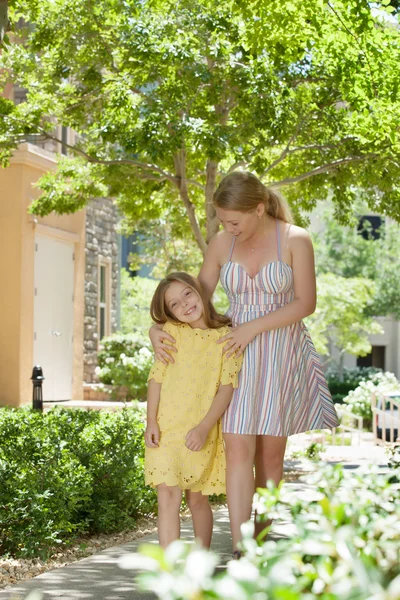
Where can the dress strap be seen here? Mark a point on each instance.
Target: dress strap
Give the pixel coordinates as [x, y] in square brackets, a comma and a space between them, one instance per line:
[232, 247]
[278, 240]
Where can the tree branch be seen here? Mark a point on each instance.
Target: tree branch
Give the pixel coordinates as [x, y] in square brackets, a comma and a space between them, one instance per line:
[181, 183]
[322, 169]
[211, 184]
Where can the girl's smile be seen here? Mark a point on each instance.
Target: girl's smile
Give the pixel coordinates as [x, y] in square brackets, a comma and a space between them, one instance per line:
[185, 304]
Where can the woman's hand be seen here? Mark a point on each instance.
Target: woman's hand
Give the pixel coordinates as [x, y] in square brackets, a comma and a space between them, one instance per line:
[196, 438]
[157, 335]
[152, 435]
[238, 338]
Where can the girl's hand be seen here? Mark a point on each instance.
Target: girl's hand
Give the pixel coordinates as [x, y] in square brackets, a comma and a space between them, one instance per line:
[157, 336]
[238, 338]
[152, 435]
[196, 438]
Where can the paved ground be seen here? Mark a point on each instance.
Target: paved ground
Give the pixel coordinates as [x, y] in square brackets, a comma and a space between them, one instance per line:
[99, 577]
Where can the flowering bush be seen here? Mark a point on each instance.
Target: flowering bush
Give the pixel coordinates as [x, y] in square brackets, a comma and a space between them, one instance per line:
[343, 545]
[124, 363]
[359, 400]
[340, 384]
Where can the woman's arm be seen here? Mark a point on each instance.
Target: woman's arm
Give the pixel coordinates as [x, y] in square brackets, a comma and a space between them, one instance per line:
[152, 433]
[157, 335]
[209, 272]
[196, 437]
[302, 306]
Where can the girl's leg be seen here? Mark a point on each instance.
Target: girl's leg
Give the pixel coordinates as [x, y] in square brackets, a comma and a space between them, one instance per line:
[202, 516]
[240, 450]
[169, 524]
[270, 452]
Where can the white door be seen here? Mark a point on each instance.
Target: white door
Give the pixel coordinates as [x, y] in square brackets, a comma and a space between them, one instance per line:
[53, 315]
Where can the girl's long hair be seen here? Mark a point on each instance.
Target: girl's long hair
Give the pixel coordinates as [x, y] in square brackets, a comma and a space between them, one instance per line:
[160, 312]
[243, 191]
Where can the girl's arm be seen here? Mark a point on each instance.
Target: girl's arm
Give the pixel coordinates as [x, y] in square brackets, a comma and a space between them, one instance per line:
[196, 437]
[302, 306]
[152, 433]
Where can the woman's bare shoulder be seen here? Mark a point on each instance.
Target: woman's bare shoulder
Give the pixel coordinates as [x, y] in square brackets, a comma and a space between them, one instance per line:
[294, 232]
[297, 237]
[219, 245]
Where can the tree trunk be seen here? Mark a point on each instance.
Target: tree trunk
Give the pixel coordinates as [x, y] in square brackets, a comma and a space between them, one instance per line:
[4, 22]
[181, 182]
[341, 367]
[211, 184]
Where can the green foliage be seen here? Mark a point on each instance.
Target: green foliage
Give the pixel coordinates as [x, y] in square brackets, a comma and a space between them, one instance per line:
[136, 294]
[340, 384]
[312, 452]
[359, 399]
[343, 545]
[124, 362]
[346, 253]
[166, 97]
[68, 472]
[340, 318]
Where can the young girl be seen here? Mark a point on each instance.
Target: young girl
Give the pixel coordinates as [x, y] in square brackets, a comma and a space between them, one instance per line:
[184, 447]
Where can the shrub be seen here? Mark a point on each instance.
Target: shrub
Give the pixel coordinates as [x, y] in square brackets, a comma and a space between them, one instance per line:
[359, 400]
[67, 472]
[136, 295]
[340, 386]
[124, 363]
[344, 546]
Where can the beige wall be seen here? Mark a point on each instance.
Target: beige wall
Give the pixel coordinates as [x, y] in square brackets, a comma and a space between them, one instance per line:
[17, 235]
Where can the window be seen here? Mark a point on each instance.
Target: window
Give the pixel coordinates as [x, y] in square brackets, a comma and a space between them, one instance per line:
[369, 227]
[376, 358]
[64, 139]
[103, 295]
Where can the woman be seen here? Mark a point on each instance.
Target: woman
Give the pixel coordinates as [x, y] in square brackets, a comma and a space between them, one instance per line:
[266, 266]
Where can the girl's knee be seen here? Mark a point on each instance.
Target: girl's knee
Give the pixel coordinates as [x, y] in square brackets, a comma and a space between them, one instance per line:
[196, 500]
[169, 496]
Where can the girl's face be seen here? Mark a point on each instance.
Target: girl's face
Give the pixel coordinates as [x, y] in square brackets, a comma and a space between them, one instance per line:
[185, 304]
[241, 224]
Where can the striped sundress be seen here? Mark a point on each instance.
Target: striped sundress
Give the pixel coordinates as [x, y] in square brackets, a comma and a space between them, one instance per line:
[282, 389]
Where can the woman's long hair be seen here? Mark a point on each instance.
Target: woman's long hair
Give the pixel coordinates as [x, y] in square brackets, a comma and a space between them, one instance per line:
[160, 312]
[243, 191]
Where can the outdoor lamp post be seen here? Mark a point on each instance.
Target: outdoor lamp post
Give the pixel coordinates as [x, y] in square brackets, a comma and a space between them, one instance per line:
[37, 393]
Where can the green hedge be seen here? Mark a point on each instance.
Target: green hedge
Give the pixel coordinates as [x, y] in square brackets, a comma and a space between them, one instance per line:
[68, 472]
[339, 387]
[124, 362]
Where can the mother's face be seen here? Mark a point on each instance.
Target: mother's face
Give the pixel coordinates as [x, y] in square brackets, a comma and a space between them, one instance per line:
[241, 224]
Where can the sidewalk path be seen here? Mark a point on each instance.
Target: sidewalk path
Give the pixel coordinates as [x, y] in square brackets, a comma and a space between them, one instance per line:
[99, 577]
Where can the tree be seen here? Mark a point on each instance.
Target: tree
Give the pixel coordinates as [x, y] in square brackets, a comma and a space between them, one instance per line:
[340, 319]
[167, 96]
[344, 252]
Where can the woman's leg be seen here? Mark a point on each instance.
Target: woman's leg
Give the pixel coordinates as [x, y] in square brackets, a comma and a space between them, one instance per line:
[202, 516]
[169, 524]
[270, 452]
[240, 450]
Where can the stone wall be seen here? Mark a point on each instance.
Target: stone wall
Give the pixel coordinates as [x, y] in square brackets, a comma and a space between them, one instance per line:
[101, 240]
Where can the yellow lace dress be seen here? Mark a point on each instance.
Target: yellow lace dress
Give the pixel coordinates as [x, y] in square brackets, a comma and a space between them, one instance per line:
[187, 392]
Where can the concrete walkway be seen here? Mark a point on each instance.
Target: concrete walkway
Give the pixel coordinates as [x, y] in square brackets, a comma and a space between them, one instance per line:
[99, 577]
